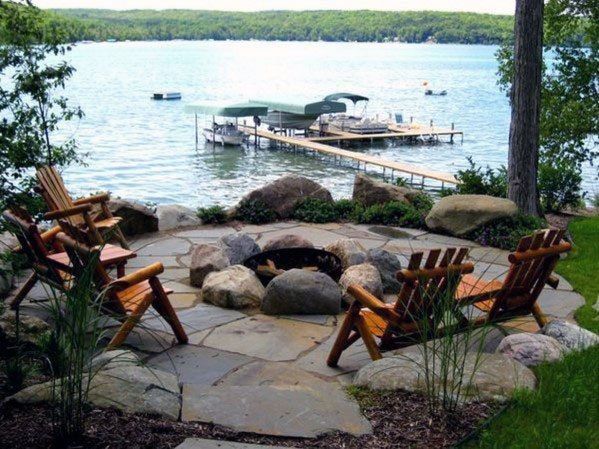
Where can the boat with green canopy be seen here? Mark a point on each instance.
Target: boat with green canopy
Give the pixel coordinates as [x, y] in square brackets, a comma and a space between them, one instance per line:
[298, 115]
[357, 123]
[226, 133]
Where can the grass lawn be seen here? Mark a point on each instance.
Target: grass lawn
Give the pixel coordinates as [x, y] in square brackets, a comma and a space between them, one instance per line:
[564, 411]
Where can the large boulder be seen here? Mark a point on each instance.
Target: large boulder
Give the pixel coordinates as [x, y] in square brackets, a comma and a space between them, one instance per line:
[235, 287]
[368, 192]
[137, 218]
[365, 275]
[287, 241]
[570, 335]
[204, 260]
[283, 194]
[30, 329]
[388, 265]
[350, 251]
[531, 349]
[130, 388]
[460, 214]
[238, 247]
[484, 377]
[173, 216]
[302, 292]
[6, 278]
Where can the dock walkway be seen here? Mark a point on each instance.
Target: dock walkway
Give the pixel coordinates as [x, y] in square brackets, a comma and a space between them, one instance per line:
[311, 144]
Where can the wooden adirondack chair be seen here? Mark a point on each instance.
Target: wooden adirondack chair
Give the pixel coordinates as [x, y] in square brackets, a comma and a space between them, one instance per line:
[127, 297]
[403, 322]
[531, 268]
[62, 208]
[47, 258]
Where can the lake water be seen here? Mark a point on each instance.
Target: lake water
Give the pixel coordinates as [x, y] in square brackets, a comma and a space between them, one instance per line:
[145, 149]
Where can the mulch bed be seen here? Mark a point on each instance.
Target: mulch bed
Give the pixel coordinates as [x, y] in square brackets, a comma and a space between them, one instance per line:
[399, 419]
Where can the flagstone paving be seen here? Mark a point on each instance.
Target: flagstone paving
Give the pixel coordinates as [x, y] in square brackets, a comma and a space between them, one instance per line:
[266, 374]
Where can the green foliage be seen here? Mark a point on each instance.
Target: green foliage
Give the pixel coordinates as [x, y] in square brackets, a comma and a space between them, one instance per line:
[30, 109]
[255, 212]
[406, 26]
[345, 209]
[15, 371]
[505, 233]
[212, 215]
[422, 202]
[476, 181]
[401, 182]
[314, 210]
[569, 121]
[559, 185]
[393, 213]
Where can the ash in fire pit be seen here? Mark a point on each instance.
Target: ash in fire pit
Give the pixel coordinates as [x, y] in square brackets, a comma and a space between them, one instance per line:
[270, 264]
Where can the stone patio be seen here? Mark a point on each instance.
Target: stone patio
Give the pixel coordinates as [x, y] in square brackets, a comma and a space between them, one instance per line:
[267, 374]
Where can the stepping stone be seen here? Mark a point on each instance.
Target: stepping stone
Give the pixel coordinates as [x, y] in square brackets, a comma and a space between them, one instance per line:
[270, 410]
[197, 365]
[167, 247]
[201, 443]
[196, 319]
[267, 337]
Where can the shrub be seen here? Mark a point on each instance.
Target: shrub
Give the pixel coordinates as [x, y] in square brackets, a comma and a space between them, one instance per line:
[314, 210]
[475, 180]
[422, 202]
[505, 233]
[401, 182]
[255, 212]
[393, 213]
[345, 209]
[559, 185]
[213, 214]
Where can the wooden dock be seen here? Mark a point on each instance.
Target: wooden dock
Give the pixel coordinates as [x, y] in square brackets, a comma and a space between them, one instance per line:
[312, 145]
[413, 130]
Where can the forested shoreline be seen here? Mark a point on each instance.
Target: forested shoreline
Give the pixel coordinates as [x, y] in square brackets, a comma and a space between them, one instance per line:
[362, 26]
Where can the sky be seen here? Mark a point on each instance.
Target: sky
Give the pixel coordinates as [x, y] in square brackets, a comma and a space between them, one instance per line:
[482, 6]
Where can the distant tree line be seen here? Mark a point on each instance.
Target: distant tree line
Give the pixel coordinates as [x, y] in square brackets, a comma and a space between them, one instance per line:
[363, 26]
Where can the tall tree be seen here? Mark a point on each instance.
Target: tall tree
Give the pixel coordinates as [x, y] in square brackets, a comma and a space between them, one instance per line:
[523, 157]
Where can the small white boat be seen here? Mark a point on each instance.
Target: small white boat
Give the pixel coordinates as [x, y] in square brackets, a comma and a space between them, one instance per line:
[167, 96]
[354, 123]
[224, 134]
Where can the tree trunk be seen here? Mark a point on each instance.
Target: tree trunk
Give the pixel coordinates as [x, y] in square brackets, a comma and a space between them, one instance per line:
[523, 158]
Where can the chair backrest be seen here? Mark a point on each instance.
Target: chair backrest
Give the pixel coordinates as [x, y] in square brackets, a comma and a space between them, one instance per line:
[82, 257]
[54, 191]
[32, 245]
[531, 266]
[426, 285]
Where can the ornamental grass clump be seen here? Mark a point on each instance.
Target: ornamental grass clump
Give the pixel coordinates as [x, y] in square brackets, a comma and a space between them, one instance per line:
[212, 215]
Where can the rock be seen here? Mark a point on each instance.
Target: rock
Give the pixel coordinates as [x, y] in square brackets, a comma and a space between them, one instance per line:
[284, 193]
[368, 192]
[570, 335]
[274, 410]
[131, 389]
[8, 241]
[238, 247]
[388, 265]
[298, 292]
[350, 251]
[485, 376]
[364, 275]
[30, 329]
[6, 278]
[204, 260]
[202, 443]
[460, 214]
[287, 241]
[531, 349]
[235, 287]
[172, 216]
[114, 359]
[137, 218]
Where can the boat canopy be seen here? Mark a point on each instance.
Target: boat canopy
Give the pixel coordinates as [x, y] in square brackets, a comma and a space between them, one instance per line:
[315, 108]
[247, 109]
[344, 95]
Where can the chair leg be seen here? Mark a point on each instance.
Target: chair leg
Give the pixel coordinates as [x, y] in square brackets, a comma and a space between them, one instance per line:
[164, 307]
[343, 336]
[371, 346]
[124, 330]
[118, 234]
[23, 291]
[120, 270]
[540, 317]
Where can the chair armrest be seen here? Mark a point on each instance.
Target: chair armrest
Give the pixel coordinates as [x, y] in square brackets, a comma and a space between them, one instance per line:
[94, 199]
[552, 281]
[368, 300]
[80, 209]
[139, 276]
[49, 235]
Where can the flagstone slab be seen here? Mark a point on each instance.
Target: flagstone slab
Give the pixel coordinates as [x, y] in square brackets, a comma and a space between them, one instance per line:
[323, 320]
[201, 443]
[183, 300]
[268, 338]
[206, 232]
[181, 287]
[146, 240]
[148, 340]
[197, 365]
[143, 261]
[352, 232]
[196, 319]
[175, 274]
[490, 255]
[446, 241]
[392, 232]
[319, 237]
[560, 303]
[274, 410]
[167, 247]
